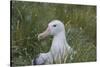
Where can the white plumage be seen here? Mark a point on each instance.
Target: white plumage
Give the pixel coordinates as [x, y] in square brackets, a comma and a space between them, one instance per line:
[60, 50]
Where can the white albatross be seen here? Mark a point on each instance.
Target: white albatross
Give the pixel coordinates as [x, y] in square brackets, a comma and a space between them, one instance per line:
[60, 49]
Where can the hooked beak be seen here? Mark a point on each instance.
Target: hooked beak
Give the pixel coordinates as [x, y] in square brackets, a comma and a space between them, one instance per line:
[44, 34]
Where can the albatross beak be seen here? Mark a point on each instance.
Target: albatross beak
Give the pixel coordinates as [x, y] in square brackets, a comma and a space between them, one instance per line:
[44, 34]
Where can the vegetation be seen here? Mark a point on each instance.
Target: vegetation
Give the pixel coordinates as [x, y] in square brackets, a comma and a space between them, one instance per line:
[28, 19]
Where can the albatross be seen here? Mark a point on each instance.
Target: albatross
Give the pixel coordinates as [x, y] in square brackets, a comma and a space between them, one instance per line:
[60, 49]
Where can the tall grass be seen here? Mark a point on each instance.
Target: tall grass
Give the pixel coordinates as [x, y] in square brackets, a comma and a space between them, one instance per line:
[29, 19]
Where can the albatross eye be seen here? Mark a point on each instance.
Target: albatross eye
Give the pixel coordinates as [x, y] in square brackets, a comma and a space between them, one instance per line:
[54, 25]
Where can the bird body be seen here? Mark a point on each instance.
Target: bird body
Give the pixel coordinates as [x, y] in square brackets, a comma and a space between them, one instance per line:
[59, 50]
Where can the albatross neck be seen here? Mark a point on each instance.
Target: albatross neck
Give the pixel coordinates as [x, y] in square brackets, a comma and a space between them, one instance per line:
[60, 38]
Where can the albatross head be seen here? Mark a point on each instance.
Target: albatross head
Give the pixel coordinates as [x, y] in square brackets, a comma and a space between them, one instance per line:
[54, 28]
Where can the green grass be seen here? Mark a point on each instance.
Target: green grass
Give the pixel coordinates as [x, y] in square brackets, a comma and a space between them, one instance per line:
[29, 19]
